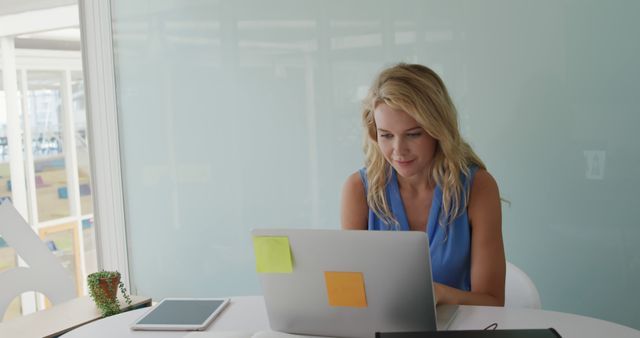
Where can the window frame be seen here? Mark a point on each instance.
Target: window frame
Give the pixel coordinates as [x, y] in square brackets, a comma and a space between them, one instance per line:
[103, 135]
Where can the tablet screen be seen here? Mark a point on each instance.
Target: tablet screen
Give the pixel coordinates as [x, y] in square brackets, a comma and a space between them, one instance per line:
[181, 312]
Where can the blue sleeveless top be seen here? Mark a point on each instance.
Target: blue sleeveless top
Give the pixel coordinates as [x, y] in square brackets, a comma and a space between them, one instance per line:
[449, 246]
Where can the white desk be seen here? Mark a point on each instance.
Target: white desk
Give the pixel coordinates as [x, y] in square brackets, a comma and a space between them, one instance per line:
[248, 314]
[61, 318]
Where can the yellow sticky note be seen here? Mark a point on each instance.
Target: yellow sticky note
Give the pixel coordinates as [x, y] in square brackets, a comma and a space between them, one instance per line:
[345, 289]
[273, 254]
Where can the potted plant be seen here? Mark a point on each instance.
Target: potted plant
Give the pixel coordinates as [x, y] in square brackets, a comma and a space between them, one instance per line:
[103, 289]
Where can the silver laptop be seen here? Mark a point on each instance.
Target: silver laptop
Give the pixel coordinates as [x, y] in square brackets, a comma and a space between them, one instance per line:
[395, 269]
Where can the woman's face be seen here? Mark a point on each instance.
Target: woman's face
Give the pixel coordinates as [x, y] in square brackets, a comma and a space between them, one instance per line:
[405, 145]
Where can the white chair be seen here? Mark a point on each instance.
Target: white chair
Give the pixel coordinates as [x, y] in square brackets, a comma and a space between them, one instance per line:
[519, 290]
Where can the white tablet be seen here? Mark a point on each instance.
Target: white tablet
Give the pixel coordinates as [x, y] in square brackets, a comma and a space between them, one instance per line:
[178, 314]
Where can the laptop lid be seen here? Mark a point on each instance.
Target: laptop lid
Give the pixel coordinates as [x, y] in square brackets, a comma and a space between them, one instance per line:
[347, 283]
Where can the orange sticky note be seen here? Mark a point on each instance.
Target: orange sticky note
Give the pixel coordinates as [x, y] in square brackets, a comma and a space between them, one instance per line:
[345, 289]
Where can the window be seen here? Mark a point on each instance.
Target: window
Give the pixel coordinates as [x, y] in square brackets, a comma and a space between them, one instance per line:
[43, 142]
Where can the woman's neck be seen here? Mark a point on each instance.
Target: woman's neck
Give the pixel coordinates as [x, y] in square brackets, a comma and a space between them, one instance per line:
[416, 184]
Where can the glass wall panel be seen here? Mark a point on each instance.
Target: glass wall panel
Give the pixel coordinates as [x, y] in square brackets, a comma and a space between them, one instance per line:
[64, 242]
[82, 143]
[44, 59]
[9, 260]
[5, 179]
[45, 105]
[237, 115]
[89, 241]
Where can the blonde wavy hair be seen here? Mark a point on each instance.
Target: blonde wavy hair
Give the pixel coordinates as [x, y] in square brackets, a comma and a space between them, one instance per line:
[419, 92]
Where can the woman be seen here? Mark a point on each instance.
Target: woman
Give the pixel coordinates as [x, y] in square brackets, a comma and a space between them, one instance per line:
[420, 175]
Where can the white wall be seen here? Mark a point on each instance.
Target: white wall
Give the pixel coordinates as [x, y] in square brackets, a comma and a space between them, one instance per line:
[236, 115]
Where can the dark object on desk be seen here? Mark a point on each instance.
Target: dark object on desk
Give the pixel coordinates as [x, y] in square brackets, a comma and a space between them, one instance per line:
[525, 333]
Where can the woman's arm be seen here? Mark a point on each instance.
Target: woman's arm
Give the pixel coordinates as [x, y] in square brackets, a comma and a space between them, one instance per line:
[353, 209]
[488, 264]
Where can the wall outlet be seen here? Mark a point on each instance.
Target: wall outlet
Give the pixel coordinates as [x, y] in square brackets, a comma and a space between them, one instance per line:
[595, 164]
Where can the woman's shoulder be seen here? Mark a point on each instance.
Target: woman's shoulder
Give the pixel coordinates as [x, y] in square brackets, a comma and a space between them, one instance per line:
[483, 180]
[484, 197]
[354, 181]
[354, 207]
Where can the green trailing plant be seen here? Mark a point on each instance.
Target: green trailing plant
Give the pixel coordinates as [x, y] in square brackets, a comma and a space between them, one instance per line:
[103, 289]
